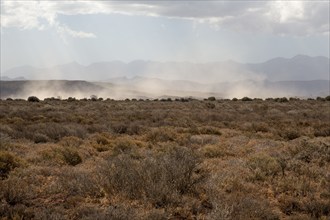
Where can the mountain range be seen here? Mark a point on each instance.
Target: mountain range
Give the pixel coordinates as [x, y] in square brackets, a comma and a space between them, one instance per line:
[300, 67]
[300, 76]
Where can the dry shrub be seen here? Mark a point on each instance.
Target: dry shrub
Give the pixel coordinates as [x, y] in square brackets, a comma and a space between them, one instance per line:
[204, 139]
[214, 151]
[263, 166]
[101, 142]
[71, 156]
[209, 105]
[160, 179]
[295, 186]
[125, 145]
[242, 206]
[250, 207]
[60, 156]
[120, 128]
[43, 132]
[70, 141]
[322, 132]
[17, 195]
[15, 190]
[260, 127]
[54, 131]
[8, 162]
[204, 130]
[289, 134]
[290, 205]
[40, 138]
[311, 151]
[128, 127]
[163, 134]
[78, 182]
[317, 208]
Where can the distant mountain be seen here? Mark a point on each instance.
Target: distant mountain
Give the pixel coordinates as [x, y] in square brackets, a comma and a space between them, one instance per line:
[298, 68]
[6, 78]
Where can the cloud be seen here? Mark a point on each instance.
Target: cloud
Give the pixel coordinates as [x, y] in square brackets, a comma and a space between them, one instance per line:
[27, 15]
[298, 18]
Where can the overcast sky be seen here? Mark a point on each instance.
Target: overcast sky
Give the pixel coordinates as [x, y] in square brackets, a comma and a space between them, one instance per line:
[46, 33]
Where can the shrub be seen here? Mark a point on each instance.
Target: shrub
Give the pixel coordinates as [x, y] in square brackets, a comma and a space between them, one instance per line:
[161, 135]
[33, 99]
[161, 179]
[124, 146]
[327, 98]
[40, 138]
[317, 208]
[76, 182]
[14, 190]
[260, 127]
[282, 99]
[55, 131]
[253, 208]
[320, 99]
[213, 151]
[289, 134]
[70, 141]
[93, 98]
[8, 162]
[120, 128]
[311, 151]
[210, 105]
[71, 157]
[289, 205]
[212, 98]
[71, 99]
[209, 130]
[247, 99]
[322, 132]
[263, 166]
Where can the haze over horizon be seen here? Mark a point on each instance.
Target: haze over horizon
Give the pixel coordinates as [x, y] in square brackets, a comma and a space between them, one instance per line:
[50, 33]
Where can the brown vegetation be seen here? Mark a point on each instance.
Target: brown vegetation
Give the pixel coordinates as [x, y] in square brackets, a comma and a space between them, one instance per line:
[167, 159]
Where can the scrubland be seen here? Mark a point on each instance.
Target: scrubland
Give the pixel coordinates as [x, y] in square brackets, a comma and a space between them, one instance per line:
[184, 159]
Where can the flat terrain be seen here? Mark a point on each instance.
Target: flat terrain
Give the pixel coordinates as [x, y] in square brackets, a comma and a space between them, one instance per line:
[185, 159]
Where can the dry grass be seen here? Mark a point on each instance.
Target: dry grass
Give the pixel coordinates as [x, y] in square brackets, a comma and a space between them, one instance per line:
[178, 159]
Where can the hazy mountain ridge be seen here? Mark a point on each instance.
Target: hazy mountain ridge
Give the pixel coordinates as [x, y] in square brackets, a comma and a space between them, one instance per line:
[300, 67]
[301, 76]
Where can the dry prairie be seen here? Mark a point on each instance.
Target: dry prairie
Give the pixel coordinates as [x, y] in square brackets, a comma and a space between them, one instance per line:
[165, 159]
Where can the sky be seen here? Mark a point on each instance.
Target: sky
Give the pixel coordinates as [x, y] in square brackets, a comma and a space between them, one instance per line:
[47, 33]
